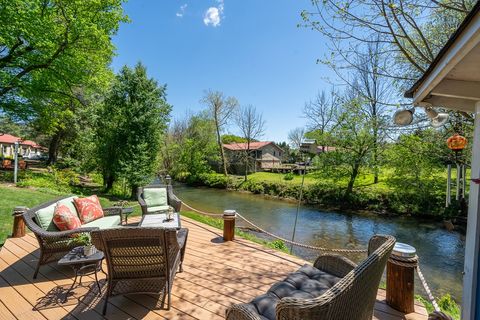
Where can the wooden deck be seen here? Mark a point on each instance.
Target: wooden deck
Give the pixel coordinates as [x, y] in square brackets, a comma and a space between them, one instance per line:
[216, 275]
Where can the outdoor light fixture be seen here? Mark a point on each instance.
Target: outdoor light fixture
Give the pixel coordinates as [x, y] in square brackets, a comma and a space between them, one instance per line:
[403, 117]
[437, 119]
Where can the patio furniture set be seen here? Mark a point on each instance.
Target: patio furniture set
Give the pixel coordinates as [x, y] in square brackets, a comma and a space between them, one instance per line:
[146, 258]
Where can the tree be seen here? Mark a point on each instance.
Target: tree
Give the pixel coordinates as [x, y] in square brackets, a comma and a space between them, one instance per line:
[353, 141]
[375, 92]
[50, 47]
[190, 147]
[321, 114]
[221, 109]
[130, 125]
[295, 137]
[252, 126]
[411, 31]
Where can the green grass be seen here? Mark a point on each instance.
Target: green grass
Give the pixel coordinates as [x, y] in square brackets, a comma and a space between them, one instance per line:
[446, 304]
[362, 181]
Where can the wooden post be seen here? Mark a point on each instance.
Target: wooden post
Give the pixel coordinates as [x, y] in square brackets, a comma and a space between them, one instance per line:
[18, 222]
[229, 225]
[400, 278]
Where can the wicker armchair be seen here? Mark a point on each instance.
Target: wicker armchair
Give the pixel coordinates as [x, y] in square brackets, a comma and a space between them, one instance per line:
[141, 260]
[55, 244]
[173, 201]
[351, 295]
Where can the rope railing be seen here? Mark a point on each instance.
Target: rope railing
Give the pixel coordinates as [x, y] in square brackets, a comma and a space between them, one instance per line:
[408, 262]
[301, 245]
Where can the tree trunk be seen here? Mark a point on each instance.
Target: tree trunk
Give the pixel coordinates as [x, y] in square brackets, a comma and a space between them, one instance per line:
[375, 143]
[53, 147]
[351, 182]
[108, 182]
[133, 194]
[247, 158]
[222, 152]
[375, 159]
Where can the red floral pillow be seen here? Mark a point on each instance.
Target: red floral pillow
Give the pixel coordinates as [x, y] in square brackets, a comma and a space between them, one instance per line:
[65, 219]
[88, 208]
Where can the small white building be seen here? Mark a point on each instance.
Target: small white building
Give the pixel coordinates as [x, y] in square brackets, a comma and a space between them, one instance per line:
[26, 148]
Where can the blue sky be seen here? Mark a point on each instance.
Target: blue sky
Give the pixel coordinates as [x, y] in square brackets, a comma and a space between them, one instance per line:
[249, 49]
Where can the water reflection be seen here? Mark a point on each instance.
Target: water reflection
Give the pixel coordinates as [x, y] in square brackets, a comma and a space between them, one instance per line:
[441, 252]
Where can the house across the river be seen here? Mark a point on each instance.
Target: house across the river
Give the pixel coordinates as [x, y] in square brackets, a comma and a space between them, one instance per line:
[262, 155]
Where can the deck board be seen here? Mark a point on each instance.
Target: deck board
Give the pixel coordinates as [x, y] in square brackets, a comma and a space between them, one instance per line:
[216, 275]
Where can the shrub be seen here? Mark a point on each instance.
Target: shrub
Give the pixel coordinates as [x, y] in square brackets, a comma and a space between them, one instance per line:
[289, 176]
[278, 245]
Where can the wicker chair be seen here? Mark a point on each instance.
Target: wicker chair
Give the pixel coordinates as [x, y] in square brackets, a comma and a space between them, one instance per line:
[350, 295]
[173, 201]
[141, 260]
[55, 244]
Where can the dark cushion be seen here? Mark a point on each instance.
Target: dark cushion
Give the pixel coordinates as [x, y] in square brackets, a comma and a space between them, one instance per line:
[306, 283]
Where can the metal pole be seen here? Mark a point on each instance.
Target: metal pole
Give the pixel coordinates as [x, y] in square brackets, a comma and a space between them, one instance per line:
[298, 205]
[464, 180]
[449, 185]
[15, 158]
[457, 195]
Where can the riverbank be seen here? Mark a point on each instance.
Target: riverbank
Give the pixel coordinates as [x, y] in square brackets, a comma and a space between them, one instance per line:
[326, 194]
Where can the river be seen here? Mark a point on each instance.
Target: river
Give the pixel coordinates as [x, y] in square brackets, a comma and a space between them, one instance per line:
[441, 252]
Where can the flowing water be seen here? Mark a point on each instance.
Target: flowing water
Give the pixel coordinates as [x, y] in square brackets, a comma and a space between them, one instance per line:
[441, 252]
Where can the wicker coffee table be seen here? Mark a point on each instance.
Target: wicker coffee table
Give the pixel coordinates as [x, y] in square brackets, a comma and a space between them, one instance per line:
[82, 265]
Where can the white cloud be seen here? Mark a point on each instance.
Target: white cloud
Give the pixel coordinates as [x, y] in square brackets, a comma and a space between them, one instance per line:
[214, 15]
[181, 12]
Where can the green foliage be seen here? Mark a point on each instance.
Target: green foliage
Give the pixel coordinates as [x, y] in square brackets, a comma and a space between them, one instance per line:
[58, 180]
[449, 306]
[231, 138]
[80, 239]
[446, 304]
[279, 245]
[214, 180]
[289, 176]
[50, 47]
[130, 127]
[190, 148]
[417, 163]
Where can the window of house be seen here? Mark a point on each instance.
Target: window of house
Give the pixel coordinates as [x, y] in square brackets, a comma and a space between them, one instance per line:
[274, 153]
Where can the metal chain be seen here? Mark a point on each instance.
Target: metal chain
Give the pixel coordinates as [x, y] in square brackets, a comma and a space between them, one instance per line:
[403, 261]
[277, 237]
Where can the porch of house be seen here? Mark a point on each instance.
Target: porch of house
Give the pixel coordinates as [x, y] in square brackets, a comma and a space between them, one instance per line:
[216, 274]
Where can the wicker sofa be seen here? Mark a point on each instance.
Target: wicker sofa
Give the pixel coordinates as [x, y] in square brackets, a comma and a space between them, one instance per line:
[150, 204]
[54, 244]
[334, 288]
[141, 260]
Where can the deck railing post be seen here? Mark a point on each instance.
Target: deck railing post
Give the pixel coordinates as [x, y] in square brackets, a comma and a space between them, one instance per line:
[229, 225]
[400, 278]
[18, 222]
